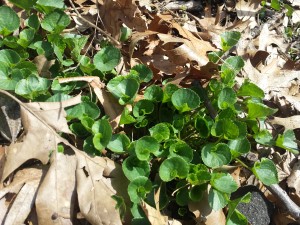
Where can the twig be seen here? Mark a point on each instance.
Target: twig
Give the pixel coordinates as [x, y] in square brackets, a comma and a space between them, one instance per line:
[280, 194]
[116, 42]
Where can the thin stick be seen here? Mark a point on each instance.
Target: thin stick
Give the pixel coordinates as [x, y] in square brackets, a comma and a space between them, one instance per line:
[116, 42]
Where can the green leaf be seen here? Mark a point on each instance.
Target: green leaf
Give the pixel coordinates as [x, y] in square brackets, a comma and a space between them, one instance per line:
[32, 86]
[48, 6]
[87, 122]
[185, 100]
[133, 167]
[258, 110]
[107, 58]
[196, 192]
[182, 150]
[24, 4]
[216, 199]
[229, 39]
[123, 88]
[56, 21]
[275, 4]
[139, 188]
[264, 137]
[9, 79]
[226, 128]
[102, 133]
[75, 43]
[202, 127]
[182, 195]
[88, 146]
[79, 130]
[9, 20]
[250, 89]
[26, 37]
[142, 108]
[237, 218]
[232, 217]
[266, 171]
[154, 93]
[143, 72]
[85, 108]
[231, 66]
[174, 167]
[125, 33]
[145, 146]
[33, 21]
[66, 88]
[227, 98]
[287, 141]
[168, 91]
[239, 146]
[118, 143]
[198, 174]
[223, 182]
[126, 118]
[215, 155]
[215, 56]
[58, 97]
[9, 56]
[160, 132]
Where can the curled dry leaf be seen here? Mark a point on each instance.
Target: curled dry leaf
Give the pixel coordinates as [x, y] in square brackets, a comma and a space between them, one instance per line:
[293, 180]
[289, 123]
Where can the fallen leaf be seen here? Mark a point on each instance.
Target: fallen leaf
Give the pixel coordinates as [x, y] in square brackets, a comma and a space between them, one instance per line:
[56, 196]
[293, 181]
[289, 123]
[154, 215]
[247, 9]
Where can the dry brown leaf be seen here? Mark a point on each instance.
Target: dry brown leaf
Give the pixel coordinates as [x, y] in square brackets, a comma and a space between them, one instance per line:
[56, 195]
[116, 12]
[293, 180]
[95, 191]
[43, 65]
[205, 215]
[247, 9]
[38, 140]
[290, 123]
[154, 215]
[14, 207]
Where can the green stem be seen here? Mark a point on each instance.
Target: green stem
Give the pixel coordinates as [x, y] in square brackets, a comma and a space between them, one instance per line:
[243, 164]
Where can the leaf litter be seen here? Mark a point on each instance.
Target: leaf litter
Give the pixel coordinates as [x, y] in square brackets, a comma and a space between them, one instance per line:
[74, 179]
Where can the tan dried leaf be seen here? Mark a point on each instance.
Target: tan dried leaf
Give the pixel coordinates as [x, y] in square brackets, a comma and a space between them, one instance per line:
[293, 180]
[247, 9]
[56, 195]
[290, 123]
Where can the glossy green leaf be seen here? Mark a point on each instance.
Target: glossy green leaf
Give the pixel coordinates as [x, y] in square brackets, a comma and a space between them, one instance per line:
[32, 86]
[125, 33]
[226, 128]
[229, 39]
[265, 171]
[143, 72]
[174, 167]
[227, 98]
[197, 191]
[118, 143]
[231, 66]
[88, 146]
[216, 155]
[139, 188]
[198, 174]
[145, 146]
[237, 218]
[232, 218]
[133, 167]
[182, 195]
[107, 58]
[126, 118]
[123, 88]
[33, 21]
[9, 57]
[182, 150]
[202, 127]
[24, 4]
[239, 146]
[87, 122]
[56, 21]
[9, 20]
[102, 133]
[160, 132]
[185, 100]
[168, 91]
[250, 89]
[154, 93]
[26, 37]
[216, 199]
[287, 141]
[142, 108]
[85, 108]
[47, 6]
[258, 110]
[275, 4]
[8, 78]
[264, 137]
[58, 97]
[223, 182]
[79, 130]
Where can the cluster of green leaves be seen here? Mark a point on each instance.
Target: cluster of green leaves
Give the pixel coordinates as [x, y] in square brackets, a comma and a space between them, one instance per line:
[175, 143]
